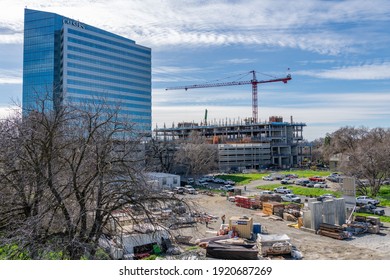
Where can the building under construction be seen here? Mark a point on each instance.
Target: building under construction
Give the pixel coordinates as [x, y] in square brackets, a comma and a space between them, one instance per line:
[246, 144]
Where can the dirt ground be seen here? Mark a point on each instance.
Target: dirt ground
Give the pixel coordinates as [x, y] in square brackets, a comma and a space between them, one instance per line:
[312, 246]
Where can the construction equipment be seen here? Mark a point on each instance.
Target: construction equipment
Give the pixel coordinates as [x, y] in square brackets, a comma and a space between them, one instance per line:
[254, 83]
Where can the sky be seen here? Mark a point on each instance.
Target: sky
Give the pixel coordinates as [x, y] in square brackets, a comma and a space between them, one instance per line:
[337, 52]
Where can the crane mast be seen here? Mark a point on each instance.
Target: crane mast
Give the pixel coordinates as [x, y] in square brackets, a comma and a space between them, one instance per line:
[254, 82]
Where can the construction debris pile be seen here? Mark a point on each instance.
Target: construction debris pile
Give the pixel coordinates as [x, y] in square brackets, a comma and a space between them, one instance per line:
[327, 218]
[333, 231]
[255, 202]
[274, 244]
[241, 239]
[272, 206]
[362, 224]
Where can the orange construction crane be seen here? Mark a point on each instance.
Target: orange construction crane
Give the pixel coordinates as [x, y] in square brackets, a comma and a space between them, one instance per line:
[254, 83]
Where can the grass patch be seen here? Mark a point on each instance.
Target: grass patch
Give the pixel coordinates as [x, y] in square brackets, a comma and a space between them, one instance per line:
[384, 196]
[307, 173]
[309, 192]
[13, 252]
[242, 179]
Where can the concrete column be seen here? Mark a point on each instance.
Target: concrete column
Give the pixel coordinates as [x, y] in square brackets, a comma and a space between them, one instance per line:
[316, 215]
[340, 212]
[329, 211]
[307, 219]
[310, 202]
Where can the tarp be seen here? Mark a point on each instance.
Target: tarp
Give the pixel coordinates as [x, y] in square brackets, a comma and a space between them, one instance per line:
[232, 251]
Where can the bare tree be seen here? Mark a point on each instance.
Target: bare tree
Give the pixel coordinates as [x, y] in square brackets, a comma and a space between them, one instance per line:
[317, 153]
[366, 155]
[196, 155]
[64, 173]
[160, 155]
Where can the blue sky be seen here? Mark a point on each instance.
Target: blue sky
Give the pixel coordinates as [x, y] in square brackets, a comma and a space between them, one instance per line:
[338, 53]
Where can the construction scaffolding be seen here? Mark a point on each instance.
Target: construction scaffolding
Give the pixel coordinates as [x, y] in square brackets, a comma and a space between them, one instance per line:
[246, 144]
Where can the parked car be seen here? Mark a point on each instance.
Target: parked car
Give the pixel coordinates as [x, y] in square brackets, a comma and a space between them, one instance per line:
[311, 184]
[226, 188]
[386, 182]
[268, 178]
[168, 193]
[287, 181]
[267, 193]
[326, 196]
[219, 181]
[209, 178]
[277, 176]
[291, 176]
[334, 177]
[189, 189]
[320, 185]
[366, 200]
[317, 179]
[202, 180]
[203, 184]
[178, 190]
[291, 198]
[371, 209]
[230, 182]
[302, 182]
[282, 189]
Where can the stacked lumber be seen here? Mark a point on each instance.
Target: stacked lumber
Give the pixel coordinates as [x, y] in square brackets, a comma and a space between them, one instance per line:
[273, 208]
[243, 201]
[332, 231]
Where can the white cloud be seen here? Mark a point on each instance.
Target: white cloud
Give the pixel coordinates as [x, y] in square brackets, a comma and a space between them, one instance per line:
[175, 70]
[173, 74]
[16, 38]
[167, 23]
[360, 72]
[10, 77]
[239, 61]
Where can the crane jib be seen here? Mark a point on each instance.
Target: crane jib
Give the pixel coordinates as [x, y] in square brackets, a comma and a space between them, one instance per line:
[254, 83]
[236, 83]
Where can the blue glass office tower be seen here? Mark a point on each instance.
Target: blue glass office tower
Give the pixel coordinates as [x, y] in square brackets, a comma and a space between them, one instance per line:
[71, 61]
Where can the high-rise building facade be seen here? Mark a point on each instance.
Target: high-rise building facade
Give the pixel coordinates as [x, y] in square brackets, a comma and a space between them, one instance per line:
[70, 61]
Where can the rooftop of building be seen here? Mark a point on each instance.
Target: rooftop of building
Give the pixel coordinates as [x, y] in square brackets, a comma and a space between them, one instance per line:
[243, 123]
